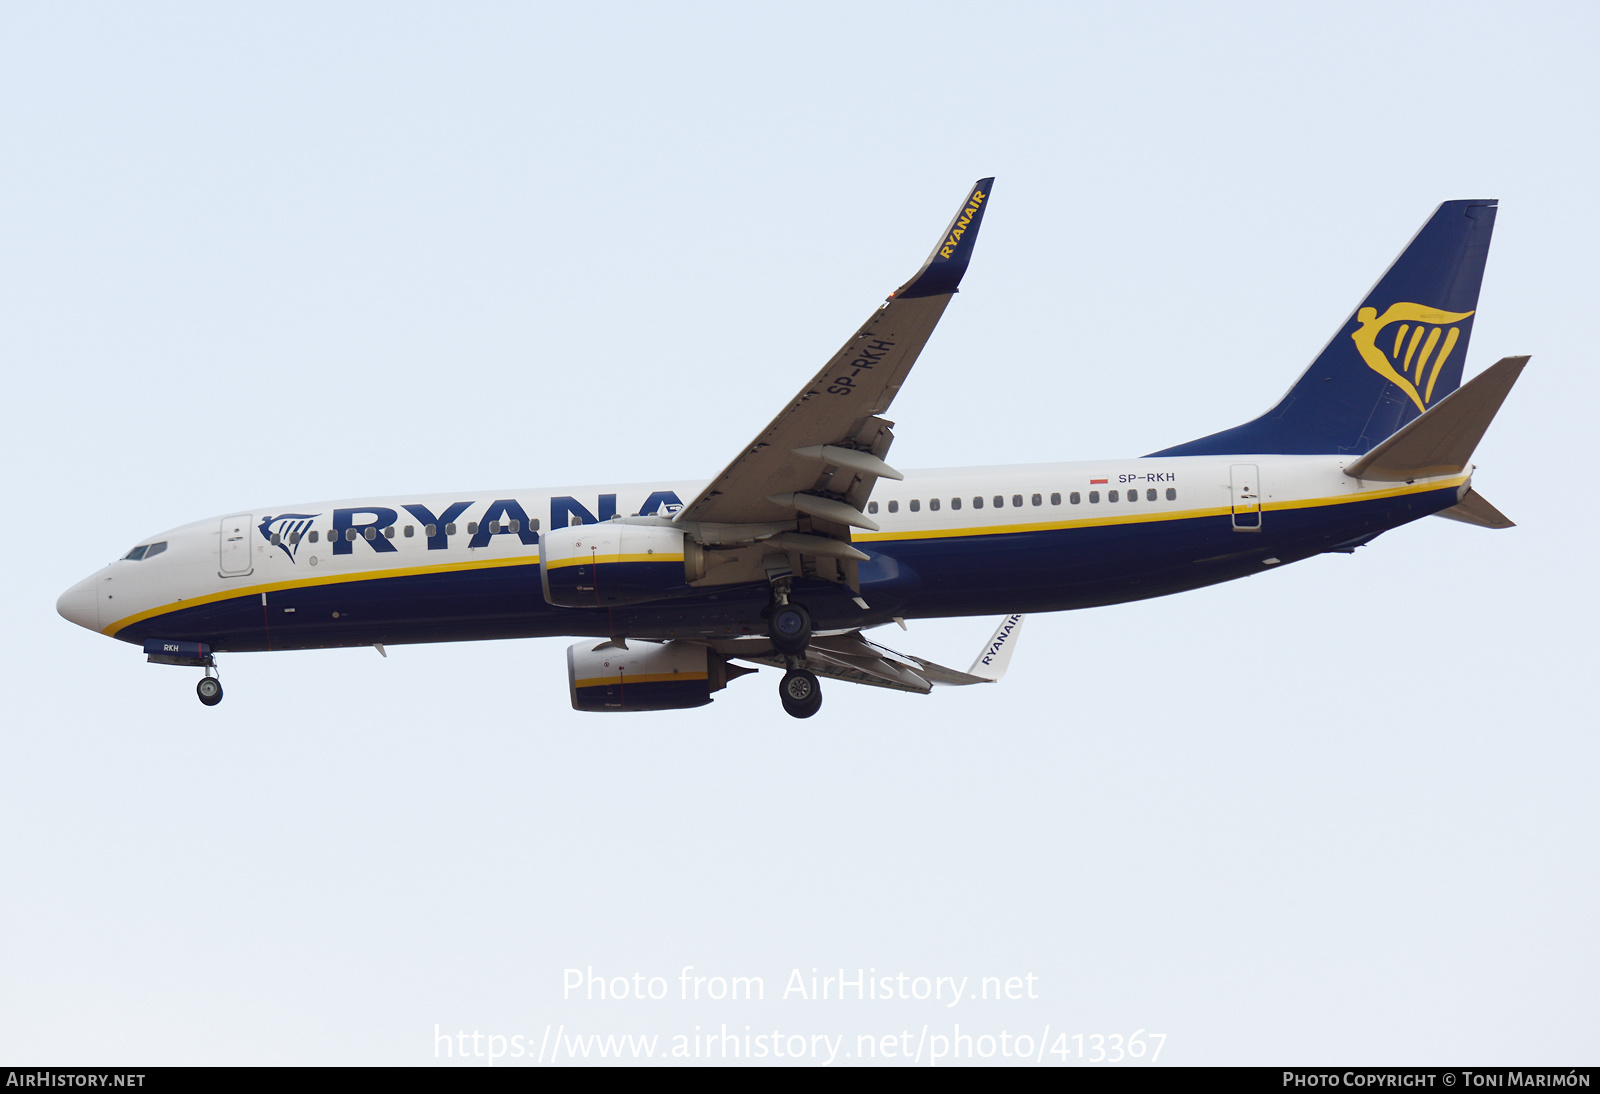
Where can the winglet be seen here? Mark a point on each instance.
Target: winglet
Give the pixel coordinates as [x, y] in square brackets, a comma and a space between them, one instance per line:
[996, 656]
[947, 264]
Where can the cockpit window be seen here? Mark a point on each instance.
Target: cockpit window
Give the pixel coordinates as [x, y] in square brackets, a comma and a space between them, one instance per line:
[145, 550]
[137, 553]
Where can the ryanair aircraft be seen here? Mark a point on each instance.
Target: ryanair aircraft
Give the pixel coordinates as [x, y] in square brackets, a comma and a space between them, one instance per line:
[808, 537]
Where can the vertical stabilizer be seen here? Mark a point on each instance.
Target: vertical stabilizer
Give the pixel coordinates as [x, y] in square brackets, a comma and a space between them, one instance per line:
[1398, 353]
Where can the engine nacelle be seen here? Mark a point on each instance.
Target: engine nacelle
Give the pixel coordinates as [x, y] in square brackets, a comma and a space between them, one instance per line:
[610, 564]
[645, 676]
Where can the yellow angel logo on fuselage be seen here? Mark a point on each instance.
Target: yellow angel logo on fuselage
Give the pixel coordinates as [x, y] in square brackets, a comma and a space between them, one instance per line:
[1397, 367]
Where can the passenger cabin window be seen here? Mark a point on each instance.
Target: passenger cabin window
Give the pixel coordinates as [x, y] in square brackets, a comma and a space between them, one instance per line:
[533, 525]
[977, 503]
[872, 507]
[388, 533]
[1172, 495]
[894, 507]
[516, 525]
[933, 504]
[410, 531]
[276, 539]
[916, 505]
[313, 537]
[1055, 499]
[955, 503]
[1016, 500]
[1150, 495]
[371, 534]
[1037, 500]
[450, 529]
[1094, 497]
[1075, 497]
[494, 528]
[472, 527]
[1133, 495]
[1000, 502]
[1112, 497]
[294, 537]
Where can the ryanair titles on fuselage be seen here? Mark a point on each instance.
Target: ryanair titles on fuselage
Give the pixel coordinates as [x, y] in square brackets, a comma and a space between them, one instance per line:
[504, 516]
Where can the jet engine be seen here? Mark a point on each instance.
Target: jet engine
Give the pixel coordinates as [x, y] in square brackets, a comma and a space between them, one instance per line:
[611, 564]
[645, 676]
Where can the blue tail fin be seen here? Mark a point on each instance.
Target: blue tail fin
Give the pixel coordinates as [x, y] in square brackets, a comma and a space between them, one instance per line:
[1399, 353]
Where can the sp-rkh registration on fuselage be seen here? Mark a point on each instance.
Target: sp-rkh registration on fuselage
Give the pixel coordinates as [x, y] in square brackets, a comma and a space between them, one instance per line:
[809, 537]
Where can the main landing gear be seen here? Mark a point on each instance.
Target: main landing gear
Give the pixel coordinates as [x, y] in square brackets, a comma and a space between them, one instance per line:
[789, 627]
[800, 692]
[209, 689]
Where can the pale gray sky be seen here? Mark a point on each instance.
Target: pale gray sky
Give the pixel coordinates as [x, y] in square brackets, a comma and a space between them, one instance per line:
[1343, 812]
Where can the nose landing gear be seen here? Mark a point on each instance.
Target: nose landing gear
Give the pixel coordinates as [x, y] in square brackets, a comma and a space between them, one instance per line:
[210, 686]
[190, 654]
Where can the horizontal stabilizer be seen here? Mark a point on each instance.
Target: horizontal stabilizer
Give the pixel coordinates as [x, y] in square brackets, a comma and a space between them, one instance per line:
[1441, 441]
[1472, 509]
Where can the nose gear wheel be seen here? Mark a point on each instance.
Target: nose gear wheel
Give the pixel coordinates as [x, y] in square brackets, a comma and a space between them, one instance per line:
[210, 690]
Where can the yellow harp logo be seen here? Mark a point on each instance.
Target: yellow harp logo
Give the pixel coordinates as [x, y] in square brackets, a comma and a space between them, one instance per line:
[1404, 364]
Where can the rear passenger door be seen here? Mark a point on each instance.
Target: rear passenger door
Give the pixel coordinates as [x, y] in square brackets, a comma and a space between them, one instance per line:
[1246, 498]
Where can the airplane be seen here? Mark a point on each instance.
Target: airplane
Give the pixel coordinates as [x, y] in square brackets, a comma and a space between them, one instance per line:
[808, 538]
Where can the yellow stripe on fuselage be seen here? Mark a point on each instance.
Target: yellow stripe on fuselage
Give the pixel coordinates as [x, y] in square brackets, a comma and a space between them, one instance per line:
[1137, 517]
[321, 579]
[860, 537]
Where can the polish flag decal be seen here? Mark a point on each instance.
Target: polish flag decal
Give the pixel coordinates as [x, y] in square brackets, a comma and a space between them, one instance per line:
[1097, 482]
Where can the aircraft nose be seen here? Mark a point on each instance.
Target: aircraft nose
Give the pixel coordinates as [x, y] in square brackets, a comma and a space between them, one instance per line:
[81, 604]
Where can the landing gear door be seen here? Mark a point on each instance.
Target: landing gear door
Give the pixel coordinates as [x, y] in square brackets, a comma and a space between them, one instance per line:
[234, 546]
[1246, 498]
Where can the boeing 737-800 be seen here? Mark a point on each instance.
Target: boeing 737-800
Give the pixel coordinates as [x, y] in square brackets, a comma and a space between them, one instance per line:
[809, 537]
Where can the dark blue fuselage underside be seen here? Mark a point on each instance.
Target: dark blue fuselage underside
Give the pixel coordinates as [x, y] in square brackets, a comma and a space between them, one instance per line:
[990, 574]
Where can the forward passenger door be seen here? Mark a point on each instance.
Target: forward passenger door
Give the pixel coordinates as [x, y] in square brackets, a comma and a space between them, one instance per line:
[233, 546]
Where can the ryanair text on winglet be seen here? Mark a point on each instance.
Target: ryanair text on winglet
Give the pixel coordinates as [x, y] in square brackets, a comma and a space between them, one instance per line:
[948, 247]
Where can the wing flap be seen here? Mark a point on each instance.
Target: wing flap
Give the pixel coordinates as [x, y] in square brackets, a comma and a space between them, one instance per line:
[874, 672]
[852, 657]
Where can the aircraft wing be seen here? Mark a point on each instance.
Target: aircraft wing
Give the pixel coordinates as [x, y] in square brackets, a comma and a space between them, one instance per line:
[854, 658]
[824, 452]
